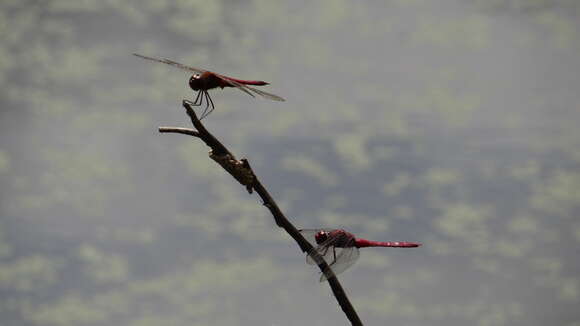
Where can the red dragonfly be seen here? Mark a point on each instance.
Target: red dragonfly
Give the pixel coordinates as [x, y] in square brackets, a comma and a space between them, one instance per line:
[204, 80]
[339, 248]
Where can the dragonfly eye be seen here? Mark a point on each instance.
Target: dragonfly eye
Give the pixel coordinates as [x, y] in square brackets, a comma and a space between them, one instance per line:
[321, 236]
[194, 82]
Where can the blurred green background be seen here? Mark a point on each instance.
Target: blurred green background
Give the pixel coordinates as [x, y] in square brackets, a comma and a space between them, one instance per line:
[453, 123]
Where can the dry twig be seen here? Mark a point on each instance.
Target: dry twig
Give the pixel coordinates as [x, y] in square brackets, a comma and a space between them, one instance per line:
[243, 173]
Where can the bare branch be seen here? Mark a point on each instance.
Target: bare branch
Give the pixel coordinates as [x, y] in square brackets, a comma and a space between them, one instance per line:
[242, 171]
[178, 130]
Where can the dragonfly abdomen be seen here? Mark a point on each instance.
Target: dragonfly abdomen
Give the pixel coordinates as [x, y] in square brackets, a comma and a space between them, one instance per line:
[250, 82]
[363, 243]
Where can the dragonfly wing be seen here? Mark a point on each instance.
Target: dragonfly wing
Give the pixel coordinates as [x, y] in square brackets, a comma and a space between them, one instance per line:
[345, 259]
[171, 63]
[325, 249]
[309, 235]
[235, 84]
[338, 259]
[247, 89]
[266, 94]
[239, 86]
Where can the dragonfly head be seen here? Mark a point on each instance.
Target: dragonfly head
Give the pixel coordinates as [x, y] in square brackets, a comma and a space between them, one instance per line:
[321, 236]
[195, 82]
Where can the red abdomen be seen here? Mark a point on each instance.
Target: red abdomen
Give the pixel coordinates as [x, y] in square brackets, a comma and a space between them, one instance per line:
[249, 82]
[362, 243]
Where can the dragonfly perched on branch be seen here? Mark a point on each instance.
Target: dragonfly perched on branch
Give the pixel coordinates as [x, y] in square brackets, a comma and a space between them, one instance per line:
[203, 80]
[340, 249]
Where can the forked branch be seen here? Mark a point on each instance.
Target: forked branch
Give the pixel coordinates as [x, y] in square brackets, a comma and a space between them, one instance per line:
[243, 173]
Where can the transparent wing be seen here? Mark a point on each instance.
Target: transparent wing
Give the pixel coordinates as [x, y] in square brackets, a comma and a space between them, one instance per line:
[234, 83]
[328, 252]
[338, 259]
[266, 94]
[345, 259]
[171, 63]
[247, 89]
[325, 249]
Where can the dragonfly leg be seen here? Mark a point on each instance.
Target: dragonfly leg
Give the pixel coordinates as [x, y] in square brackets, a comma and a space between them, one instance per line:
[209, 102]
[333, 255]
[197, 101]
[204, 96]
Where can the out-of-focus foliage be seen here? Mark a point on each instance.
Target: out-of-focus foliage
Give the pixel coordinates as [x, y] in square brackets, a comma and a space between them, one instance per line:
[453, 123]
